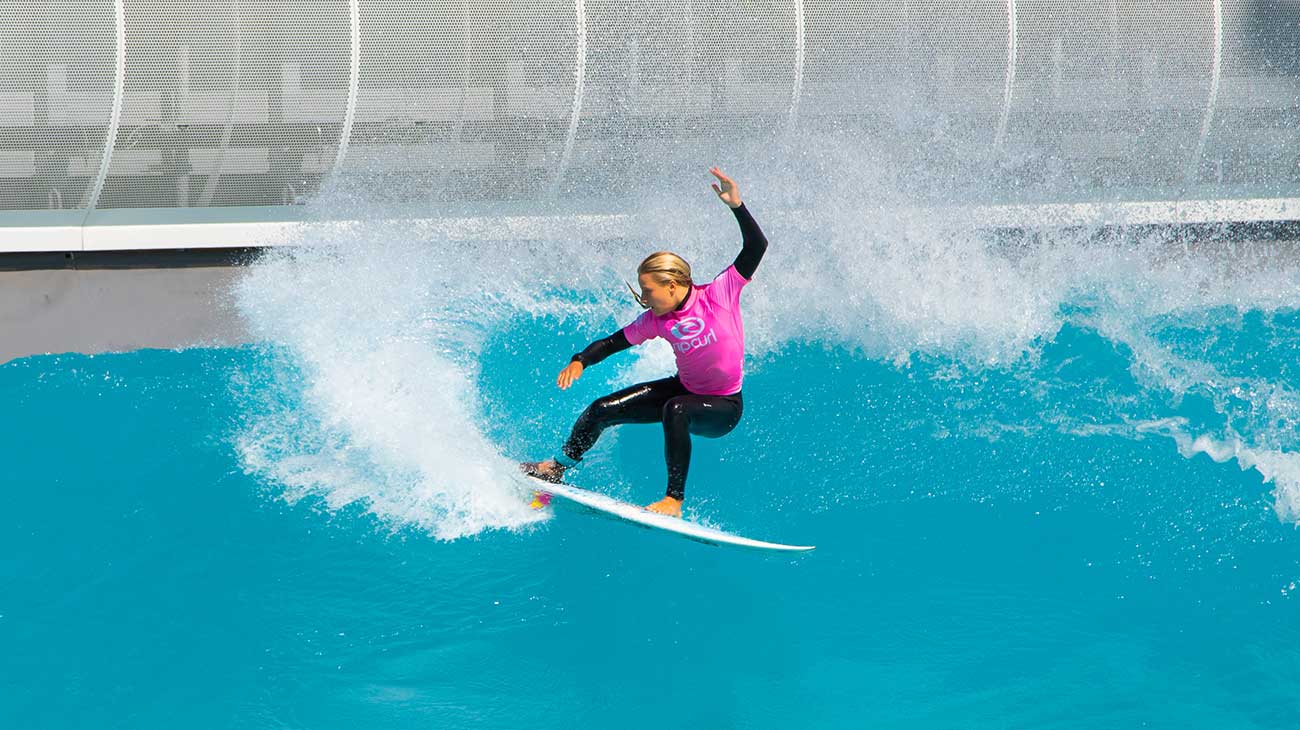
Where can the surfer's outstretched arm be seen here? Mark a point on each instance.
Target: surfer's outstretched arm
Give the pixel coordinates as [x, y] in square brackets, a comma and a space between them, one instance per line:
[594, 353]
[601, 349]
[754, 243]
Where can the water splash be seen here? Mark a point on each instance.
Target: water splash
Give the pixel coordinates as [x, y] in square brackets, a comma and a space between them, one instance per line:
[387, 324]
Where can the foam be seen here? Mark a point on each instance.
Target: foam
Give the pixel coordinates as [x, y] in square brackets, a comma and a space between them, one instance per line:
[1282, 469]
[386, 388]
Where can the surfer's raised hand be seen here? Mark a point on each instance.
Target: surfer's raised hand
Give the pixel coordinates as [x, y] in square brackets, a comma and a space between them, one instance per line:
[569, 374]
[729, 193]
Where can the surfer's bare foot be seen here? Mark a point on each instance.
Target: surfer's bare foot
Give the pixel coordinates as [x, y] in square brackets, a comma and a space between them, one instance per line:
[550, 470]
[667, 506]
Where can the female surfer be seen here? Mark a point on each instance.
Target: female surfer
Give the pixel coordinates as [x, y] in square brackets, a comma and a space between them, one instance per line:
[702, 323]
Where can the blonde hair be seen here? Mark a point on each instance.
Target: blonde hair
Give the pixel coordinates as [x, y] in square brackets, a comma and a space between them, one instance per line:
[664, 267]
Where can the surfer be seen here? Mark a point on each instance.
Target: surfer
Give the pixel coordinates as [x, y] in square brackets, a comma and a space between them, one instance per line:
[702, 322]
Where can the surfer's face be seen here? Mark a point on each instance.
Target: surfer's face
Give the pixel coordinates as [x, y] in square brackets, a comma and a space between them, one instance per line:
[661, 298]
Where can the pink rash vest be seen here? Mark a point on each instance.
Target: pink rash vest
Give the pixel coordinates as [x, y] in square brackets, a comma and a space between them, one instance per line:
[706, 333]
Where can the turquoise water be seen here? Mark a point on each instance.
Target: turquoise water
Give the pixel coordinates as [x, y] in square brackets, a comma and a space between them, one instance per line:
[1051, 487]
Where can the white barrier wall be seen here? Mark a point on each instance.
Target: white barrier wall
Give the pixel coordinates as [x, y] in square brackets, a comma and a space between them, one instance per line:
[138, 112]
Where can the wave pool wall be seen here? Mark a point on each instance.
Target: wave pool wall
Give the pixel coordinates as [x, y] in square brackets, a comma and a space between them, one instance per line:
[118, 112]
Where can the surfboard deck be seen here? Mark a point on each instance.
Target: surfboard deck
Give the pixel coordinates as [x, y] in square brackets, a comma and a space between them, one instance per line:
[638, 515]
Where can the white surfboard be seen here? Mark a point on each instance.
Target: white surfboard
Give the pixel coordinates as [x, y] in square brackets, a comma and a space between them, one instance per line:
[645, 518]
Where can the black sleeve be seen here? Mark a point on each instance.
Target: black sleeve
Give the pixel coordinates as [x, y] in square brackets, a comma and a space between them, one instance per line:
[601, 349]
[754, 245]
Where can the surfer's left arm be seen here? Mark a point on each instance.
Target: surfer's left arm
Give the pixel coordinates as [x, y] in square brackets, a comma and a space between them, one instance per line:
[754, 243]
[754, 246]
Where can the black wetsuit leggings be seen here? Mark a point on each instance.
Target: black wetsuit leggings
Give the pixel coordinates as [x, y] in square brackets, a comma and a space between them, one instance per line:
[664, 401]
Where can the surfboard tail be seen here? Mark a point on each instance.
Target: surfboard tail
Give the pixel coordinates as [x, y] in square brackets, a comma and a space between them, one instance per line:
[540, 500]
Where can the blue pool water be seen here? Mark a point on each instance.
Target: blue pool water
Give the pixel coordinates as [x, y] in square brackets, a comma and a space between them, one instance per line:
[1052, 486]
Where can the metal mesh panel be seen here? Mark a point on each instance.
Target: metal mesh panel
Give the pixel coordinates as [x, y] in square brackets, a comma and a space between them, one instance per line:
[664, 79]
[229, 103]
[857, 63]
[907, 60]
[56, 94]
[1254, 136]
[462, 101]
[1110, 94]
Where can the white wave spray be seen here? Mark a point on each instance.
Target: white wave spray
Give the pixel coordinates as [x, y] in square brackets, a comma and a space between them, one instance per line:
[385, 324]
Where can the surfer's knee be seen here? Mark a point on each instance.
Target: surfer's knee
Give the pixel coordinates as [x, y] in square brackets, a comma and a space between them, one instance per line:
[601, 409]
[677, 410]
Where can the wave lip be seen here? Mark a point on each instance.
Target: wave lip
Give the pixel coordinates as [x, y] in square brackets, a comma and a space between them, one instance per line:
[1280, 468]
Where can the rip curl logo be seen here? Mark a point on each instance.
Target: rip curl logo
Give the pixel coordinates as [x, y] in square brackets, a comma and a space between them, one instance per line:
[690, 335]
[688, 328]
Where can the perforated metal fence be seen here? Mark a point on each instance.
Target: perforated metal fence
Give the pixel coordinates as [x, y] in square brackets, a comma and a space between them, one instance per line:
[111, 104]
